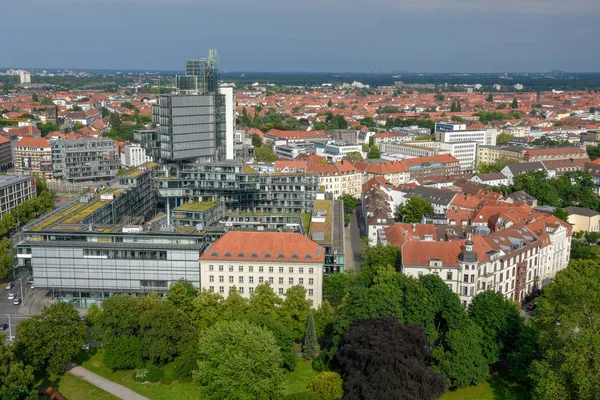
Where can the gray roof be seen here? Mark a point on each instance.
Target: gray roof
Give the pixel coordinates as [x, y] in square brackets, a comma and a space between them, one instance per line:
[523, 168]
[581, 211]
[9, 180]
[432, 195]
[492, 176]
[520, 196]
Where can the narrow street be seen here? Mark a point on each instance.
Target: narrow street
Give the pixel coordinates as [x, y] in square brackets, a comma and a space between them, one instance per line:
[353, 243]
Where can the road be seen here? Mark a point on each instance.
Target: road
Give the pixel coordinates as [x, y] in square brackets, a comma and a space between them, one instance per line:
[353, 241]
[12, 314]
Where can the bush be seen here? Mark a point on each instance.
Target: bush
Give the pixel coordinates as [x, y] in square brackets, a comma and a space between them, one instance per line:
[139, 375]
[123, 353]
[184, 365]
[289, 359]
[328, 385]
[302, 396]
[155, 373]
[320, 364]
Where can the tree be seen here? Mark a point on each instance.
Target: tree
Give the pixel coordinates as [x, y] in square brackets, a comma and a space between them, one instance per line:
[515, 103]
[354, 156]
[46, 128]
[295, 310]
[264, 301]
[350, 202]
[35, 98]
[500, 321]
[323, 319]
[256, 140]
[251, 368]
[76, 108]
[504, 137]
[309, 348]
[329, 103]
[115, 122]
[207, 310]
[592, 237]
[46, 101]
[16, 379]
[265, 154]
[52, 339]
[77, 126]
[414, 210]
[376, 257]
[561, 214]
[235, 305]
[373, 153]
[381, 358]
[566, 320]
[581, 251]
[490, 98]
[182, 293]
[328, 385]
[124, 352]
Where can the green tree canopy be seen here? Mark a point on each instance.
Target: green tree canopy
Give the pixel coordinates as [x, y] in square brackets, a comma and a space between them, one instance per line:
[414, 210]
[16, 379]
[327, 385]
[309, 347]
[251, 368]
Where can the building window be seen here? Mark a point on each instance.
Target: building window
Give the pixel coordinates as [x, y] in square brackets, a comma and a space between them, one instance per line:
[231, 268]
[270, 280]
[261, 280]
[211, 278]
[220, 268]
[211, 267]
[281, 281]
[280, 290]
[250, 290]
[281, 270]
[221, 279]
[301, 270]
[301, 281]
[291, 270]
[311, 270]
[291, 281]
[241, 268]
[241, 290]
[473, 278]
[501, 276]
[465, 290]
[310, 292]
[260, 269]
[251, 269]
[311, 303]
[231, 279]
[241, 279]
[221, 289]
[449, 276]
[271, 269]
[211, 289]
[310, 281]
[250, 279]
[471, 290]
[466, 278]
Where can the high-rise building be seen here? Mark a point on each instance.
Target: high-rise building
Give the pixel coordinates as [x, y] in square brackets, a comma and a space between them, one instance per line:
[25, 76]
[192, 123]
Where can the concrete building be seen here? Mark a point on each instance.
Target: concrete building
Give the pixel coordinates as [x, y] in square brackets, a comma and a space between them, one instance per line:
[413, 130]
[512, 170]
[491, 179]
[339, 178]
[85, 159]
[6, 153]
[25, 76]
[334, 151]
[464, 152]
[491, 154]
[449, 127]
[134, 155]
[583, 219]
[248, 259]
[327, 230]
[33, 156]
[395, 172]
[229, 109]
[15, 189]
[481, 137]
[412, 149]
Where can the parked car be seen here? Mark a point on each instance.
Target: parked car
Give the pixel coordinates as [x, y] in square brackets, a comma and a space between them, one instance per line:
[33, 285]
[531, 307]
[11, 296]
[3, 327]
[29, 281]
[17, 301]
[9, 286]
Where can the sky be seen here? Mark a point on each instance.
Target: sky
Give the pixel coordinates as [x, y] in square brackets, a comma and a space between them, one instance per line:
[306, 35]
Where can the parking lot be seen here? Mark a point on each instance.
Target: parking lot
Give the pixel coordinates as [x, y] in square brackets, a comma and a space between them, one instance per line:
[32, 302]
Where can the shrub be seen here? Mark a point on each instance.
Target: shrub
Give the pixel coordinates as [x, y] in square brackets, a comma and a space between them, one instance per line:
[319, 363]
[139, 375]
[123, 353]
[289, 359]
[302, 396]
[328, 385]
[155, 373]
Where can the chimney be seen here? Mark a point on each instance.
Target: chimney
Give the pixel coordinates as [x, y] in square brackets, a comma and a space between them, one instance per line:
[414, 226]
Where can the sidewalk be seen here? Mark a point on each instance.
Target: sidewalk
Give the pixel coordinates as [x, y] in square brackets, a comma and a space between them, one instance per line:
[108, 386]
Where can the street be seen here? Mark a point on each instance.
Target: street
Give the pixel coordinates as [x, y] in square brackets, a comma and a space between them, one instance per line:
[353, 240]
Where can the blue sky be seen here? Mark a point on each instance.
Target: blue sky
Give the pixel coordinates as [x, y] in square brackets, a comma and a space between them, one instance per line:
[308, 35]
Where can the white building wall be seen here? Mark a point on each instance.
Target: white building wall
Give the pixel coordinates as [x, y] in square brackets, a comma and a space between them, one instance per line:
[229, 121]
[220, 275]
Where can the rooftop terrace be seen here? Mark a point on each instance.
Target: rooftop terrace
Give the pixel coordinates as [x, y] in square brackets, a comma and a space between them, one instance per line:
[197, 206]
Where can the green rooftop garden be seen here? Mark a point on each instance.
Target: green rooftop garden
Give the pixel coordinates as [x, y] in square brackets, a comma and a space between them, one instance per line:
[197, 206]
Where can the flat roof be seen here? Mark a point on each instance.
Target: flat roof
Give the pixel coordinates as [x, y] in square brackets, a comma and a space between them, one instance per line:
[9, 180]
[197, 206]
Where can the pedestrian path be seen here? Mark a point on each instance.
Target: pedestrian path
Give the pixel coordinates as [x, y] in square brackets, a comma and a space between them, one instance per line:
[108, 386]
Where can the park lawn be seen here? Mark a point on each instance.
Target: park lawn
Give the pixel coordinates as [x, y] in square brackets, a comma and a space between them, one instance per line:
[298, 380]
[153, 391]
[72, 387]
[494, 388]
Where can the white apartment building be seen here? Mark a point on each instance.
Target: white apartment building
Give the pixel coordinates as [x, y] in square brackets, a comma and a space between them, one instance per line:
[134, 155]
[412, 149]
[464, 152]
[25, 76]
[15, 189]
[335, 151]
[482, 137]
[248, 259]
[339, 178]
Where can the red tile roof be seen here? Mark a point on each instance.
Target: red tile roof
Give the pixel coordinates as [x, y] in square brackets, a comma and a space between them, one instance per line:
[28, 141]
[265, 247]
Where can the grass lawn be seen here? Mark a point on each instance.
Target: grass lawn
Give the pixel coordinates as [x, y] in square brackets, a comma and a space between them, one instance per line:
[74, 388]
[154, 391]
[494, 388]
[298, 380]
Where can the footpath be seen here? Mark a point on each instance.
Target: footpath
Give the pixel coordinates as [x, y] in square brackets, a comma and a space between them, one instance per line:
[108, 386]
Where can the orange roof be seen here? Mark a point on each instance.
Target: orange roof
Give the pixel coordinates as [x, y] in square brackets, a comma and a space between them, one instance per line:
[398, 234]
[28, 141]
[266, 247]
[443, 158]
[3, 139]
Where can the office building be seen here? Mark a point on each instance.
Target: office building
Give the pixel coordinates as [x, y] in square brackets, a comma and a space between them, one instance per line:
[6, 153]
[464, 152]
[248, 259]
[33, 156]
[449, 127]
[481, 137]
[15, 189]
[25, 76]
[134, 155]
[85, 159]
[335, 151]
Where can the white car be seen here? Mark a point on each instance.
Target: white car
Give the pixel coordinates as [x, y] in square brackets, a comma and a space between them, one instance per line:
[33, 285]
[11, 296]
[9, 286]
[17, 301]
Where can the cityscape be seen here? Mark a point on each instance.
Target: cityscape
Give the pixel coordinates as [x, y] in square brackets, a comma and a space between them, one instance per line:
[201, 232]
